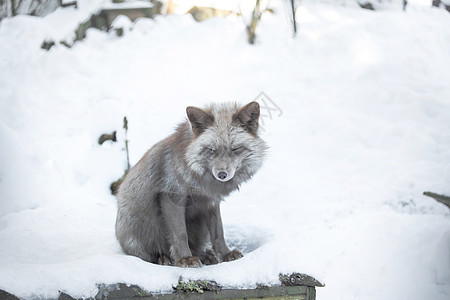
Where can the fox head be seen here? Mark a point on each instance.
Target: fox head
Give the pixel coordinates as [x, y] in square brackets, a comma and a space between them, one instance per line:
[225, 142]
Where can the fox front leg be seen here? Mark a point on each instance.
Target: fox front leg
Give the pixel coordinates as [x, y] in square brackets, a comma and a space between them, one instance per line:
[173, 209]
[215, 227]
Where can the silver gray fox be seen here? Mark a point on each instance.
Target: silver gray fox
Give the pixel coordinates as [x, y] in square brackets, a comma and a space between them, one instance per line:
[169, 203]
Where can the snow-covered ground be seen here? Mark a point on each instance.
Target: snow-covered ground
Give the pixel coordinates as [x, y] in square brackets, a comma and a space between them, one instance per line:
[364, 131]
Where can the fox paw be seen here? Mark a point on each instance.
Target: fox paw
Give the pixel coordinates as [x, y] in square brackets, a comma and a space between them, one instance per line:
[190, 262]
[233, 255]
[164, 260]
[209, 258]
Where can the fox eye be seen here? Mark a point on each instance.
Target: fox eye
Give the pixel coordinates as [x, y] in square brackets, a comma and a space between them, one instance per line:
[211, 150]
[237, 149]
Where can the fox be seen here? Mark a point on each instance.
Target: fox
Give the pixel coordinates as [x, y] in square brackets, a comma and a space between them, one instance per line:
[168, 206]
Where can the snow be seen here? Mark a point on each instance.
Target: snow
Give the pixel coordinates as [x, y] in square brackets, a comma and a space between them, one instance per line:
[364, 131]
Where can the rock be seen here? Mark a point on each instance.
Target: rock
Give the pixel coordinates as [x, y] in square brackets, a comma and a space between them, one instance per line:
[299, 279]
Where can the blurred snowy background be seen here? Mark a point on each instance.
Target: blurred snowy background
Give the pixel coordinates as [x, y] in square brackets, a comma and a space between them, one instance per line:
[364, 131]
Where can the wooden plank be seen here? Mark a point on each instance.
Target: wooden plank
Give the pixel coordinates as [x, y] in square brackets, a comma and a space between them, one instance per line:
[275, 293]
[439, 198]
[201, 290]
[122, 291]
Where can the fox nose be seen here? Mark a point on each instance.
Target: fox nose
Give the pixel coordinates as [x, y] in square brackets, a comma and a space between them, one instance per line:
[222, 175]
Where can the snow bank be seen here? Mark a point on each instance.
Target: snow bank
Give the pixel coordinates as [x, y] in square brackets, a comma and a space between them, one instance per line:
[364, 131]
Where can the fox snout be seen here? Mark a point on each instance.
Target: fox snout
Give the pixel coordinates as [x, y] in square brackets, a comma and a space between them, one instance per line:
[223, 174]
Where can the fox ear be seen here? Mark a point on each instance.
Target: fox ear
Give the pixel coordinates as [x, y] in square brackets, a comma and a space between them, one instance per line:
[248, 117]
[200, 120]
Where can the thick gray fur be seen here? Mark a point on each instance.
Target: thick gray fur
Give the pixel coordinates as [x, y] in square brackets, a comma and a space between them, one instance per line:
[169, 203]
